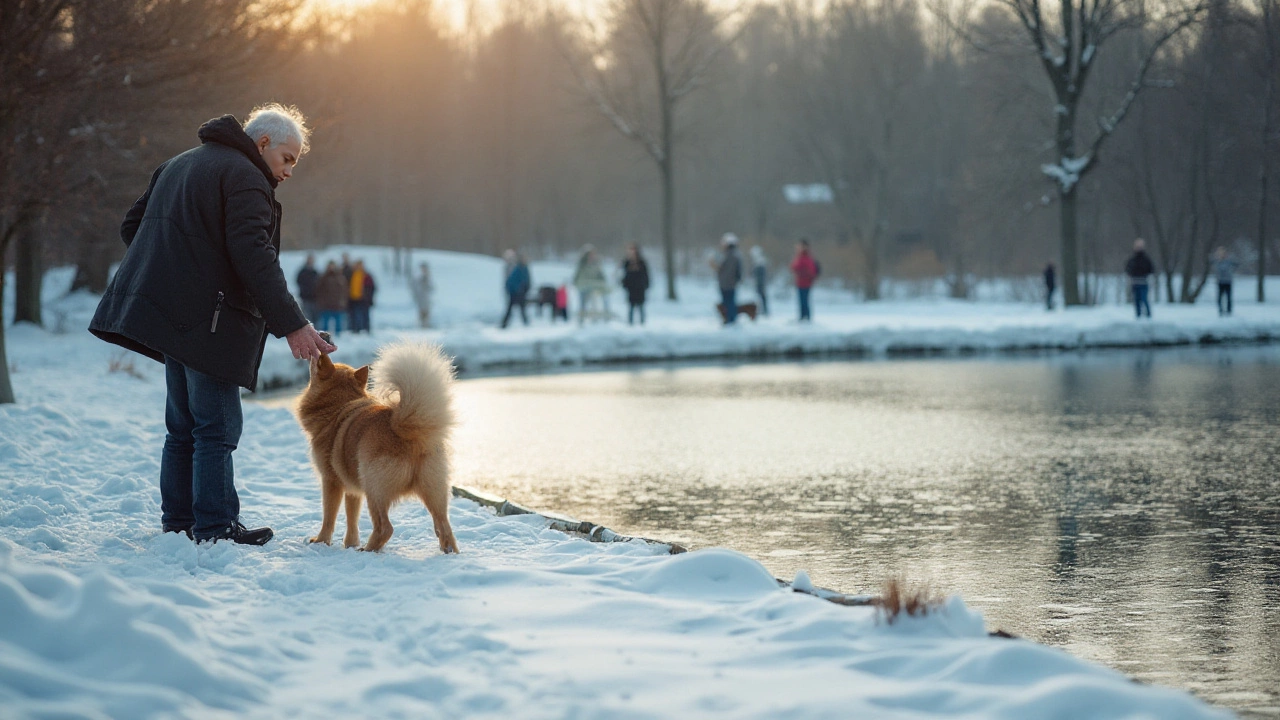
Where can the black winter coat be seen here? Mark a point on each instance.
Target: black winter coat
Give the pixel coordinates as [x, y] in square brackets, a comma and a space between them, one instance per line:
[308, 279]
[635, 278]
[201, 280]
[1139, 266]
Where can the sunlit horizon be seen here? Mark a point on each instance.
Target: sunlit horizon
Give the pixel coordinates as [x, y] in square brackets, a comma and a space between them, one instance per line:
[456, 12]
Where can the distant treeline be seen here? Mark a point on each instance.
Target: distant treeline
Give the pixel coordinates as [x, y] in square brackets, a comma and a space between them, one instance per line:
[544, 131]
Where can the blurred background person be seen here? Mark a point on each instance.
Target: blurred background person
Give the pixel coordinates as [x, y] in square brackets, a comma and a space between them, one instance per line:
[1050, 284]
[1138, 267]
[804, 270]
[1224, 269]
[517, 286]
[593, 287]
[331, 298]
[422, 287]
[635, 279]
[308, 276]
[760, 273]
[360, 297]
[729, 273]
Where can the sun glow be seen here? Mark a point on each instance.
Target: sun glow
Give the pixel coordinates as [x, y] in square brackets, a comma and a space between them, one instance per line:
[462, 14]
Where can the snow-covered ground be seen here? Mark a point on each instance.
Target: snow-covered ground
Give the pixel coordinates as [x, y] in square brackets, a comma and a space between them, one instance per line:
[103, 616]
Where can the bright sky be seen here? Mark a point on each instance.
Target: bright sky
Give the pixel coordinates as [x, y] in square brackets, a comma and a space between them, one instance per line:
[456, 10]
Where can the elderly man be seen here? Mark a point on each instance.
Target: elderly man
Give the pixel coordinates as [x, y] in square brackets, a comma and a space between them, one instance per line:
[198, 289]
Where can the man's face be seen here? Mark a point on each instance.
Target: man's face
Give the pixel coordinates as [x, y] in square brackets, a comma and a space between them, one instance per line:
[280, 158]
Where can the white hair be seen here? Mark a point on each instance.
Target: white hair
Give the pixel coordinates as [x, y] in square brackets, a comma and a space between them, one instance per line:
[279, 123]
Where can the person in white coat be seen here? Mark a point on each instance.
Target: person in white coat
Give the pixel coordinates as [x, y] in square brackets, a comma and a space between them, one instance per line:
[422, 288]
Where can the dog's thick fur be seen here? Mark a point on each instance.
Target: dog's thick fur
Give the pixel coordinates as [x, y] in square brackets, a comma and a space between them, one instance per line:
[385, 445]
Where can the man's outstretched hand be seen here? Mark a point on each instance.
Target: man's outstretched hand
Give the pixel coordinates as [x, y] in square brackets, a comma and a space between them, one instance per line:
[307, 344]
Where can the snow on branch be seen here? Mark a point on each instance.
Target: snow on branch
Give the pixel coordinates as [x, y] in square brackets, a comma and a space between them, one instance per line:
[1067, 171]
[1107, 125]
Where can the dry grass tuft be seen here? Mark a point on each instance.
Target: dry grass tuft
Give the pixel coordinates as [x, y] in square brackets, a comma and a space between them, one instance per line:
[123, 363]
[900, 596]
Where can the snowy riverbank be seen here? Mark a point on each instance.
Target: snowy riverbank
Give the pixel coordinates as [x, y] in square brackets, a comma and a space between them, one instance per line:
[469, 304]
[103, 616]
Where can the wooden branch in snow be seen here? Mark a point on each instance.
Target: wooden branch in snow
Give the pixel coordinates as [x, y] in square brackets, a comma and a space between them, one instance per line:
[592, 532]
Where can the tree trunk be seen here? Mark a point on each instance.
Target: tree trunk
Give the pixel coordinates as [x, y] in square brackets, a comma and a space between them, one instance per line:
[871, 277]
[93, 266]
[28, 273]
[1070, 255]
[1262, 236]
[1264, 156]
[667, 167]
[6, 387]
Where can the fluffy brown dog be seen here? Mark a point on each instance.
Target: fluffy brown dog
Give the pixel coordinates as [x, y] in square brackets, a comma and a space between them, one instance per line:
[385, 445]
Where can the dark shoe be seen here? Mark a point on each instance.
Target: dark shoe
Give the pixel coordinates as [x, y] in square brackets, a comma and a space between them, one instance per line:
[185, 530]
[241, 535]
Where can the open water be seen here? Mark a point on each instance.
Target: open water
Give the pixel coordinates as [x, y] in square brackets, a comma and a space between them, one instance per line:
[1124, 506]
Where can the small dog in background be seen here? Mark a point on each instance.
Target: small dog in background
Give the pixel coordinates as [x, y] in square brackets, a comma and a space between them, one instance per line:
[383, 445]
[746, 308]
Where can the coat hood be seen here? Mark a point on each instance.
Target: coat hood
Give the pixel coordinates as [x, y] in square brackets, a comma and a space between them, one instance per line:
[226, 130]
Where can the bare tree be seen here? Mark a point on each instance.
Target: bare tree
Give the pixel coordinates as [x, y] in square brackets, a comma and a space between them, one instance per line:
[1067, 45]
[1268, 22]
[66, 64]
[655, 54]
[862, 73]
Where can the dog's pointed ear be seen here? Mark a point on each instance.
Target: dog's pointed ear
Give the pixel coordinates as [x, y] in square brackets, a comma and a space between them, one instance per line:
[324, 365]
[362, 376]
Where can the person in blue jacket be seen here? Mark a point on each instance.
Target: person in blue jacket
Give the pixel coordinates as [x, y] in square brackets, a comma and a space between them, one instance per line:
[517, 286]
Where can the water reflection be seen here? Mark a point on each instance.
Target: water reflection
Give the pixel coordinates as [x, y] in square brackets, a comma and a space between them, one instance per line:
[1120, 505]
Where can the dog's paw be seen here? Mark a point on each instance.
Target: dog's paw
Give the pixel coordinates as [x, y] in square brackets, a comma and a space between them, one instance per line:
[318, 539]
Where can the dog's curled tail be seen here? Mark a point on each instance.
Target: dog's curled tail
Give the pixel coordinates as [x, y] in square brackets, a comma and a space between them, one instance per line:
[416, 379]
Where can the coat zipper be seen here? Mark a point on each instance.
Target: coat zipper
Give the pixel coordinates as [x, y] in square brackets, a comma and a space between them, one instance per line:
[217, 310]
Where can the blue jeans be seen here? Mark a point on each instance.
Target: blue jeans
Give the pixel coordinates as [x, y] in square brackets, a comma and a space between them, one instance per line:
[197, 479]
[729, 298]
[513, 302]
[1224, 298]
[359, 312]
[1140, 299]
[631, 313]
[331, 317]
[805, 312]
[761, 290]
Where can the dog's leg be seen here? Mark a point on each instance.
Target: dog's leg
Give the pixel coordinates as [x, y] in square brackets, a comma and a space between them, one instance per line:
[437, 501]
[379, 512]
[352, 538]
[331, 490]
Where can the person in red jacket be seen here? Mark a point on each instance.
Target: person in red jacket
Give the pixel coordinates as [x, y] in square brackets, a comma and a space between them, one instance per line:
[805, 270]
[561, 309]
